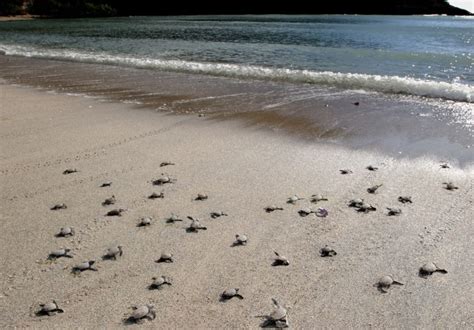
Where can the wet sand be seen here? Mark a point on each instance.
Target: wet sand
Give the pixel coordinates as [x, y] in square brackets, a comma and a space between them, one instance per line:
[243, 169]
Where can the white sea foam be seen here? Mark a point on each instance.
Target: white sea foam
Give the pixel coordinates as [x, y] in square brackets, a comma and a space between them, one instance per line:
[381, 83]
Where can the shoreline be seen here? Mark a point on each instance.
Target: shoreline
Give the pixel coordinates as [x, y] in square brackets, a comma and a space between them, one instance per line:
[242, 170]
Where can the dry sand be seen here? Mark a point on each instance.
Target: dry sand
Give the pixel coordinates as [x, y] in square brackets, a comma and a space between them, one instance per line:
[242, 170]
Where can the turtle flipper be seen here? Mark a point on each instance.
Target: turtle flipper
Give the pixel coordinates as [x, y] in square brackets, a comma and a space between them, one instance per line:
[442, 271]
[239, 296]
[397, 283]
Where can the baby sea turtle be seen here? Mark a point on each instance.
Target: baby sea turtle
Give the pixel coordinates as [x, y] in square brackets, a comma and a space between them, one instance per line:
[59, 254]
[231, 293]
[356, 103]
[70, 171]
[327, 252]
[49, 309]
[201, 197]
[154, 195]
[317, 198]
[164, 179]
[66, 232]
[405, 199]
[277, 318]
[113, 253]
[86, 265]
[159, 282]
[305, 211]
[365, 208]
[272, 208]
[372, 168]
[109, 201]
[373, 189]
[394, 211]
[59, 207]
[293, 199]
[357, 202]
[280, 260]
[345, 171]
[141, 313]
[145, 221]
[195, 225]
[166, 163]
[166, 257]
[450, 186]
[321, 212]
[240, 240]
[218, 214]
[173, 218]
[444, 165]
[385, 282]
[430, 268]
[115, 213]
[106, 184]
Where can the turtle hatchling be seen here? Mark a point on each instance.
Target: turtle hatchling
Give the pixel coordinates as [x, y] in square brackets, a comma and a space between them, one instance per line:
[173, 218]
[240, 240]
[280, 260]
[154, 195]
[372, 168]
[365, 208]
[159, 282]
[317, 198]
[450, 186]
[59, 207]
[141, 313]
[218, 214]
[86, 265]
[70, 171]
[106, 184]
[195, 225]
[109, 201]
[49, 309]
[327, 252]
[305, 212]
[277, 318]
[60, 254]
[166, 163]
[272, 208]
[115, 213]
[345, 171]
[430, 268]
[356, 202]
[373, 189]
[405, 199]
[145, 221]
[385, 282]
[231, 293]
[164, 179]
[444, 165]
[321, 212]
[65, 232]
[293, 199]
[113, 253]
[166, 257]
[201, 197]
[394, 211]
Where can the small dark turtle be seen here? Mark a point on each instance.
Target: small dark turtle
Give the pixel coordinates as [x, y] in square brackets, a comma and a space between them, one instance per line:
[159, 282]
[272, 208]
[372, 168]
[444, 165]
[145, 221]
[321, 212]
[450, 186]
[430, 268]
[231, 293]
[345, 171]
[356, 202]
[405, 199]
[166, 163]
[317, 198]
[59, 207]
[166, 257]
[365, 208]
[154, 195]
[218, 214]
[327, 252]
[373, 189]
[394, 211]
[293, 199]
[113, 253]
[59, 254]
[109, 201]
[240, 240]
[141, 313]
[49, 309]
[385, 282]
[305, 212]
[106, 184]
[86, 265]
[164, 179]
[195, 225]
[115, 213]
[280, 260]
[277, 318]
[65, 232]
[173, 218]
[201, 197]
[356, 103]
[70, 171]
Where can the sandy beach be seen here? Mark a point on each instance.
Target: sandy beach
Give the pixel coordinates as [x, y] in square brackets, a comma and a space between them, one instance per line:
[242, 169]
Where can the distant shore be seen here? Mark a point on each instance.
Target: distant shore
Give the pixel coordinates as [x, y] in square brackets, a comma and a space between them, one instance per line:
[19, 18]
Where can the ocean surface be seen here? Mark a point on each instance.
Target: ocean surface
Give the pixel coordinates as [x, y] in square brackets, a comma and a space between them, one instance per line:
[412, 73]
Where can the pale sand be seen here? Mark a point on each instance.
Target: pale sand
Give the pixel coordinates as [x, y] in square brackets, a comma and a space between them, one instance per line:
[242, 170]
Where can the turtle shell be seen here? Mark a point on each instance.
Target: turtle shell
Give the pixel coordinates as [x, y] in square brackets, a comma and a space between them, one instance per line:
[140, 312]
